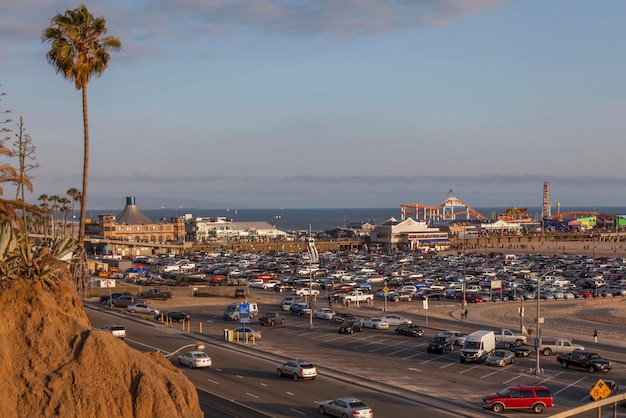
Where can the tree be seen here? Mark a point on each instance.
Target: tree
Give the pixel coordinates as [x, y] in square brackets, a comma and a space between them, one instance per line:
[79, 50]
[55, 214]
[44, 207]
[65, 210]
[75, 194]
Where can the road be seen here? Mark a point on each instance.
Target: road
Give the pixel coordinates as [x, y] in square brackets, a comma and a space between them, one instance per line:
[241, 384]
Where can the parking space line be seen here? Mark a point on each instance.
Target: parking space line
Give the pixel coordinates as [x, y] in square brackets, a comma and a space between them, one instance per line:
[419, 353]
[448, 365]
[471, 368]
[397, 351]
[513, 378]
[551, 377]
[570, 385]
[490, 374]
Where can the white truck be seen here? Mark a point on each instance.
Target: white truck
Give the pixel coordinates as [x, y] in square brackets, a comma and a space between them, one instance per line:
[478, 346]
[557, 345]
[357, 296]
[508, 336]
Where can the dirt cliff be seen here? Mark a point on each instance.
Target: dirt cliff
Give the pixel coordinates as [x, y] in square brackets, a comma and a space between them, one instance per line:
[54, 365]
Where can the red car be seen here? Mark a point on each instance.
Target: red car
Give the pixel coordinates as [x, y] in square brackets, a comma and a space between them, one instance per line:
[535, 398]
[585, 294]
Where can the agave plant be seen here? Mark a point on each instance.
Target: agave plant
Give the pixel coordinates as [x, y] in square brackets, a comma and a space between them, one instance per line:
[20, 260]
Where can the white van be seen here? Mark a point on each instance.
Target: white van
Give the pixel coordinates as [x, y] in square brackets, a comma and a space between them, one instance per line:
[231, 313]
[478, 346]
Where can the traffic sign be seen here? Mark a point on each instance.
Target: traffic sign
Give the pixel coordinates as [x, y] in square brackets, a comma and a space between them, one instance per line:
[600, 391]
[385, 289]
[244, 313]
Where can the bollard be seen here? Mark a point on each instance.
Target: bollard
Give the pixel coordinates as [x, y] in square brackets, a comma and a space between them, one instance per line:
[200, 327]
[226, 334]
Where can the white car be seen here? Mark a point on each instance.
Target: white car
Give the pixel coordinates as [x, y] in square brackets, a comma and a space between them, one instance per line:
[269, 284]
[393, 319]
[324, 313]
[305, 292]
[116, 329]
[286, 305]
[142, 308]
[375, 323]
[193, 359]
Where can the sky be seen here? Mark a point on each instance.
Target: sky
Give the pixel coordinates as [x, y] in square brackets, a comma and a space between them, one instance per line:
[329, 103]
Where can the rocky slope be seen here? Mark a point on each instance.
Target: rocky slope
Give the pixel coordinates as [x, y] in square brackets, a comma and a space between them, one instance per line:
[54, 365]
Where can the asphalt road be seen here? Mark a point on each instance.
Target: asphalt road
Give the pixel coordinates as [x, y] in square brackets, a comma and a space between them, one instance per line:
[244, 384]
[367, 365]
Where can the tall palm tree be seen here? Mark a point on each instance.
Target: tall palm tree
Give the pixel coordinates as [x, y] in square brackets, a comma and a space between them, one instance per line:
[79, 50]
[75, 194]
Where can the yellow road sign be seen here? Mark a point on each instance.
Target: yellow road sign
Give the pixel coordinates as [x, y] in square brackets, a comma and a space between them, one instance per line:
[600, 391]
[385, 289]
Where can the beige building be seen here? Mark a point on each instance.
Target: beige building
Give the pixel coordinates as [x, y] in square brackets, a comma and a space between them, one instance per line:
[408, 235]
[132, 225]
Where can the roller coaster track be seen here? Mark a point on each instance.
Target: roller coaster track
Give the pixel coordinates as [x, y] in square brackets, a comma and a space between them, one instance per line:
[447, 211]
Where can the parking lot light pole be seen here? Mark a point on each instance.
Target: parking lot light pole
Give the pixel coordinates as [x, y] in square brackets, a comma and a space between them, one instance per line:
[537, 343]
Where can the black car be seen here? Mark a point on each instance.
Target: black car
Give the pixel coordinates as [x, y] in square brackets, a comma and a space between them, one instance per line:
[342, 317]
[349, 327]
[173, 317]
[440, 345]
[411, 330]
[521, 351]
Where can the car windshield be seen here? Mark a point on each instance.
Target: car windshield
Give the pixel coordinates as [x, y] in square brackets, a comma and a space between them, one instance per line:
[306, 365]
[439, 339]
[505, 392]
[357, 404]
[472, 345]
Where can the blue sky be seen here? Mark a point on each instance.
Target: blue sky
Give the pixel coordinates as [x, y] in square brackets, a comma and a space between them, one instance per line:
[331, 103]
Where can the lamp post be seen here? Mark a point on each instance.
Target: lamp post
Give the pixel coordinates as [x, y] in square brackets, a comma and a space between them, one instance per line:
[537, 370]
[197, 346]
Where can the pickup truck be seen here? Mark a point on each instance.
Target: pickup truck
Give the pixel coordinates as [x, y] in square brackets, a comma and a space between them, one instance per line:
[154, 294]
[508, 336]
[585, 360]
[356, 296]
[557, 346]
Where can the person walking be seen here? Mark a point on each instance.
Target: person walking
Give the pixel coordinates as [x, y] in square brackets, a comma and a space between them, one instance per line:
[595, 335]
[465, 313]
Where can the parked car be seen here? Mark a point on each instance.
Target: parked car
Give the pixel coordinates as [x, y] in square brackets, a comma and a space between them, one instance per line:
[324, 313]
[269, 284]
[521, 351]
[440, 345]
[142, 308]
[246, 334]
[458, 336]
[375, 323]
[300, 308]
[350, 327]
[116, 329]
[535, 398]
[341, 317]
[240, 293]
[346, 407]
[173, 316]
[271, 319]
[193, 359]
[297, 369]
[124, 301]
[500, 358]
[411, 330]
[305, 292]
[393, 319]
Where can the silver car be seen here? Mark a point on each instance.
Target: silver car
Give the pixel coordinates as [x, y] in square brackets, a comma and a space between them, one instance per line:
[393, 319]
[142, 308]
[346, 407]
[500, 358]
[193, 359]
[297, 369]
[374, 323]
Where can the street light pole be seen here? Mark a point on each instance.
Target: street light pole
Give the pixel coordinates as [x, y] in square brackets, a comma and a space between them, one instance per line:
[197, 346]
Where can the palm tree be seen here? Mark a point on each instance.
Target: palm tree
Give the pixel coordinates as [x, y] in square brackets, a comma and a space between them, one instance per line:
[44, 207]
[75, 194]
[79, 50]
[55, 214]
[65, 210]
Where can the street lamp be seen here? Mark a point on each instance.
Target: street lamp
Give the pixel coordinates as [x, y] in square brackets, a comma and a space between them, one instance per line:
[197, 346]
[537, 370]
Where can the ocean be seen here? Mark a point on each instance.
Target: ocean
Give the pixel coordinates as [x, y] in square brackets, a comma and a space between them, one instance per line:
[323, 219]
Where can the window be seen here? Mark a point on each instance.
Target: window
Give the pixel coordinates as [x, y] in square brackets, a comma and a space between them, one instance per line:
[526, 393]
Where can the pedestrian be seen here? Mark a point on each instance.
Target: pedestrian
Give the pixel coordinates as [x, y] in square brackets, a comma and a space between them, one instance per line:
[330, 302]
[462, 314]
[595, 335]
[465, 313]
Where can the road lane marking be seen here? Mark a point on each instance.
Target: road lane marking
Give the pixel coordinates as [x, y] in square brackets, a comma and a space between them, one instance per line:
[413, 355]
[397, 351]
[289, 393]
[239, 376]
[490, 374]
[213, 381]
[551, 377]
[447, 365]
[263, 384]
[413, 369]
[254, 396]
[297, 412]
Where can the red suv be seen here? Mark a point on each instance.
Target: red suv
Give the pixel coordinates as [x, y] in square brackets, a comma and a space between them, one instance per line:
[519, 397]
